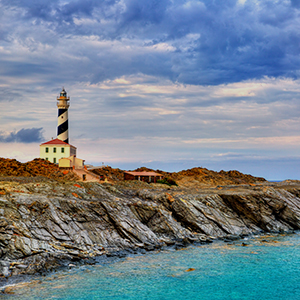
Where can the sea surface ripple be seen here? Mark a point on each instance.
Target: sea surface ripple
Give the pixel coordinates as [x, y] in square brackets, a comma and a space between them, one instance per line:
[261, 267]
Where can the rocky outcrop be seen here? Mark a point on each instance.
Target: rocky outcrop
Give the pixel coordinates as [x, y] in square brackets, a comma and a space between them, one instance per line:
[38, 168]
[46, 225]
[194, 177]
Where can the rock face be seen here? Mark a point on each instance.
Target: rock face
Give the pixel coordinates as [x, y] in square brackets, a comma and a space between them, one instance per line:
[49, 224]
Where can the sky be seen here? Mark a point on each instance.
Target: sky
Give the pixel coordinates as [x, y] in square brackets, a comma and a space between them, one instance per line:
[167, 84]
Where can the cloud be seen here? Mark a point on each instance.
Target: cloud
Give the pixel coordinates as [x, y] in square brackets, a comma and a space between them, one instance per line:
[160, 80]
[295, 3]
[7, 94]
[199, 42]
[24, 135]
[143, 106]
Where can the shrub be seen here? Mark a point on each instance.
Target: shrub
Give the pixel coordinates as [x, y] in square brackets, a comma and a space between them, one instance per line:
[168, 181]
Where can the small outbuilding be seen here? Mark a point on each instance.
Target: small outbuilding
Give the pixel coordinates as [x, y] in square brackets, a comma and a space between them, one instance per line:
[71, 162]
[143, 176]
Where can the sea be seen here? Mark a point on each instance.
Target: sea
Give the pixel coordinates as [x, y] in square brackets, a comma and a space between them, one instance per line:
[259, 267]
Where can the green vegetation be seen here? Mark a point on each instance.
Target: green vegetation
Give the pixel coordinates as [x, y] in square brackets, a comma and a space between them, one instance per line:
[168, 181]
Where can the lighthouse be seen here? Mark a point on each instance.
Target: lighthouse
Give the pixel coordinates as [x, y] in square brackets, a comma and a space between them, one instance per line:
[59, 151]
[62, 124]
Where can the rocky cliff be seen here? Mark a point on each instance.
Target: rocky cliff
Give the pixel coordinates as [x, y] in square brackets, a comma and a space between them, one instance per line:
[48, 224]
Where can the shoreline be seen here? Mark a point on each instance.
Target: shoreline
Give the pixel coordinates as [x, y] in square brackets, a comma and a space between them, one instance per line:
[27, 280]
[46, 226]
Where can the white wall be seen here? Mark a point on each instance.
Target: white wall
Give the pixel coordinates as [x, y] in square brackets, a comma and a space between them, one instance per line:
[51, 155]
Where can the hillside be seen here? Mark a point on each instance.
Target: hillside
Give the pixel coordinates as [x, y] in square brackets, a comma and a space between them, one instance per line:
[186, 178]
[204, 176]
[35, 168]
[189, 178]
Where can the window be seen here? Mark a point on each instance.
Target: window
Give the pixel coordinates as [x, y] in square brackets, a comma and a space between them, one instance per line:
[62, 150]
[47, 158]
[47, 150]
[54, 150]
[54, 160]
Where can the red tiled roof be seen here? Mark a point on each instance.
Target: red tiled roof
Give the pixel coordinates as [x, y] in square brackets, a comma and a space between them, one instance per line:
[57, 142]
[143, 173]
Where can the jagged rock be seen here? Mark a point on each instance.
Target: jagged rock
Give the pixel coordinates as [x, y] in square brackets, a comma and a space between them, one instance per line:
[4, 268]
[43, 227]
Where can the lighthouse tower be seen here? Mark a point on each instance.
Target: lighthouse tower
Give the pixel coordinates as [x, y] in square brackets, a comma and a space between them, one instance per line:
[63, 126]
[59, 151]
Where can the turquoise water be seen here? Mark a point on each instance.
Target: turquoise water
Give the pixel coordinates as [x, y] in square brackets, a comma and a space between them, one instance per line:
[268, 268]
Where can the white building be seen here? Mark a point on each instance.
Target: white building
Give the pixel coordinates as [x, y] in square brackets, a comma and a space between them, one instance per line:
[56, 149]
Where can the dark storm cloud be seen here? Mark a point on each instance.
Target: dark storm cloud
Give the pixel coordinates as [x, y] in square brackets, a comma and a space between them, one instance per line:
[295, 3]
[211, 42]
[25, 135]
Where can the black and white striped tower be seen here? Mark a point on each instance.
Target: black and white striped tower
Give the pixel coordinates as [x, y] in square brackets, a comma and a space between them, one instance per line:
[63, 126]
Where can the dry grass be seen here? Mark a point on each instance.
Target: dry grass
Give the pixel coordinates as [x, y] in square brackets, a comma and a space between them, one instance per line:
[32, 171]
[191, 177]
